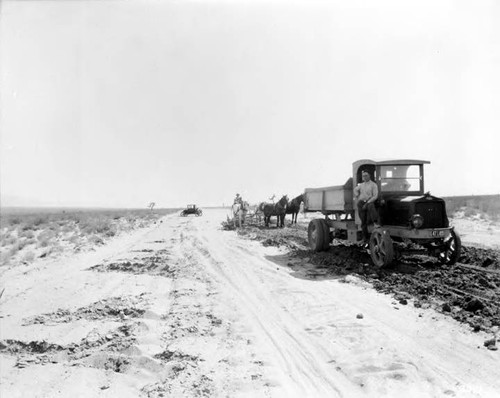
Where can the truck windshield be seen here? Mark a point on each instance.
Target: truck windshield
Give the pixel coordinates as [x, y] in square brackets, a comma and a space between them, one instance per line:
[400, 178]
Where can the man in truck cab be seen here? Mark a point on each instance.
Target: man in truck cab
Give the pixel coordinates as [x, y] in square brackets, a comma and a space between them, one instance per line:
[366, 194]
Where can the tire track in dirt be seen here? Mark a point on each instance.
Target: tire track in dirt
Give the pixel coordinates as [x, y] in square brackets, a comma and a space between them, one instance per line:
[208, 356]
[305, 375]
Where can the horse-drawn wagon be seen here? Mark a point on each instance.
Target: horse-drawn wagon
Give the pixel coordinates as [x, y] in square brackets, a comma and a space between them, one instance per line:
[406, 214]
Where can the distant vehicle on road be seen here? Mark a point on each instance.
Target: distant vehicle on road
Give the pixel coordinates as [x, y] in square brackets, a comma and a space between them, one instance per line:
[191, 209]
[407, 215]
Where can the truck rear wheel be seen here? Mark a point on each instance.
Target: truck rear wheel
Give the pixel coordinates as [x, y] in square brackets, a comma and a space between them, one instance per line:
[451, 253]
[327, 235]
[381, 248]
[318, 235]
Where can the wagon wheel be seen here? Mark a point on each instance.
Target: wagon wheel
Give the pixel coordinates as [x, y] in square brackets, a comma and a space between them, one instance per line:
[198, 213]
[451, 253]
[318, 236]
[381, 248]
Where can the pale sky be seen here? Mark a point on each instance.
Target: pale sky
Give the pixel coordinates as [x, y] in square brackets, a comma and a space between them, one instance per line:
[120, 103]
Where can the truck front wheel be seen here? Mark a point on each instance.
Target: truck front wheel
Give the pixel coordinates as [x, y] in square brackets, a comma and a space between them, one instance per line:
[318, 235]
[381, 248]
[451, 252]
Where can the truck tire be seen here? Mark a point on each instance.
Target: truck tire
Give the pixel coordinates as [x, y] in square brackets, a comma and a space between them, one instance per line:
[318, 235]
[381, 248]
[327, 236]
[451, 253]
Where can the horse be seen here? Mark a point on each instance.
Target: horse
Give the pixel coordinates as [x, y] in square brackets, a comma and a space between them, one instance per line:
[239, 211]
[294, 207]
[277, 209]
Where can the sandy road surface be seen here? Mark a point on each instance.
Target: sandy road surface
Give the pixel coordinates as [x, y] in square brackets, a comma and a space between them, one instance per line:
[186, 309]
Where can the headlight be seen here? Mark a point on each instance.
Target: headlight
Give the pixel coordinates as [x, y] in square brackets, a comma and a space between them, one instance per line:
[417, 220]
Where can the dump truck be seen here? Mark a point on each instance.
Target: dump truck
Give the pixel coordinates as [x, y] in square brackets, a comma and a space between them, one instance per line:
[411, 221]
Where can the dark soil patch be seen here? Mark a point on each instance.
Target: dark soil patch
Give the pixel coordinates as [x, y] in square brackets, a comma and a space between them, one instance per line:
[109, 345]
[485, 258]
[32, 347]
[155, 265]
[169, 355]
[110, 309]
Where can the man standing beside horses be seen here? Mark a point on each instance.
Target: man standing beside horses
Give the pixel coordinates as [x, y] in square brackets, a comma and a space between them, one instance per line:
[366, 194]
[238, 199]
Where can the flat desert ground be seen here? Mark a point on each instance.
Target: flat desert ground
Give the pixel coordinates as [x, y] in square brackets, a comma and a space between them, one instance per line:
[184, 308]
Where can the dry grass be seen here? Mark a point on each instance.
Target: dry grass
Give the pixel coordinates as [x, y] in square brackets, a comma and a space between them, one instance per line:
[482, 206]
[28, 235]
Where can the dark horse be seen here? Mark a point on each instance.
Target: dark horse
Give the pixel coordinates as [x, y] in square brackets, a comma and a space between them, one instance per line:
[294, 207]
[276, 209]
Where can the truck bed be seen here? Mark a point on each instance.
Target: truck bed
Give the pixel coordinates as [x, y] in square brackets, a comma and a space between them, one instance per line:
[329, 200]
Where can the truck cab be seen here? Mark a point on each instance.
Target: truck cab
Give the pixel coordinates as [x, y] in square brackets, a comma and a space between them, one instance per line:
[401, 193]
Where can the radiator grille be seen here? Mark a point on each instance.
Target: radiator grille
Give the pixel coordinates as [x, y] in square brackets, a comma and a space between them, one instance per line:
[433, 214]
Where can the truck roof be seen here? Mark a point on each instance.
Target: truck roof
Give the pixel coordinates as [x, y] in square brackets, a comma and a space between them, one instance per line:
[357, 163]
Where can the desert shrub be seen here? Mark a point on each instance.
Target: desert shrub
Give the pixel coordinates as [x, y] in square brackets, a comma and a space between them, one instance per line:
[43, 243]
[99, 226]
[29, 234]
[15, 221]
[53, 226]
[56, 249]
[28, 257]
[75, 238]
[5, 257]
[468, 212]
[45, 237]
[68, 227]
[9, 240]
[39, 221]
[21, 244]
[53, 249]
[96, 240]
[26, 227]
[110, 233]
[14, 249]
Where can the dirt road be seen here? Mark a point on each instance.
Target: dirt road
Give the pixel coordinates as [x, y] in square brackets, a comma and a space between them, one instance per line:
[186, 309]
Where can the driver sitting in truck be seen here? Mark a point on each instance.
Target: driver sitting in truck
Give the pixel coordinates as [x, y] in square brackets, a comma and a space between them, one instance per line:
[366, 194]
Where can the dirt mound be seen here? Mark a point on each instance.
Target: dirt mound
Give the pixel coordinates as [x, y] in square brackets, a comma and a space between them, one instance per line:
[155, 265]
[114, 308]
[95, 350]
[33, 347]
[481, 257]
